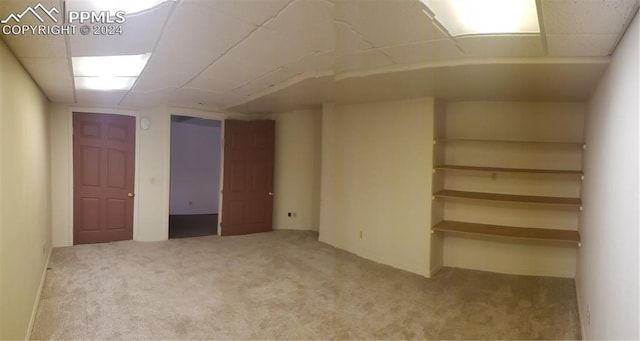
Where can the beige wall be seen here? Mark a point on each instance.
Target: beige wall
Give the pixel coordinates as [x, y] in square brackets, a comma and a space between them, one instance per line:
[25, 216]
[375, 181]
[297, 169]
[607, 278]
[519, 121]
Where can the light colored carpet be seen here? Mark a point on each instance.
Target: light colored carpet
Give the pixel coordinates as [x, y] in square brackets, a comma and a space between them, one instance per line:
[285, 285]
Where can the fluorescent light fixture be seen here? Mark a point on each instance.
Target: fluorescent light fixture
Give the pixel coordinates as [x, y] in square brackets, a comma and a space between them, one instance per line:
[104, 83]
[465, 17]
[110, 66]
[106, 73]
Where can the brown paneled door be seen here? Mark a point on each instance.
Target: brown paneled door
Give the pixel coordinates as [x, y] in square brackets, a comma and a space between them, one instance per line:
[247, 196]
[103, 177]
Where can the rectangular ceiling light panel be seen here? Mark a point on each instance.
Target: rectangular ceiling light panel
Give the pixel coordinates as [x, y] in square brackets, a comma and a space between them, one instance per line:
[105, 73]
[104, 83]
[466, 17]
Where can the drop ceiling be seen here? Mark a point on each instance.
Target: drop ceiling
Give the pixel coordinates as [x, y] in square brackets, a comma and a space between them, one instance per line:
[256, 56]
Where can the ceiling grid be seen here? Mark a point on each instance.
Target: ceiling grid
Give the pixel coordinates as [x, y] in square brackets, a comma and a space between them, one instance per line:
[249, 55]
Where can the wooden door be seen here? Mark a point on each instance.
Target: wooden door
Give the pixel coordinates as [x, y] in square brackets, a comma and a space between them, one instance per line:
[103, 176]
[247, 196]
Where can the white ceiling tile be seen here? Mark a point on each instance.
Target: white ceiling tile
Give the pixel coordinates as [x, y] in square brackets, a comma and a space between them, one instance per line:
[423, 52]
[268, 47]
[193, 39]
[388, 22]
[140, 33]
[255, 12]
[213, 84]
[363, 60]
[110, 98]
[276, 76]
[188, 96]
[512, 45]
[53, 76]
[38, 46]
[318, 62]
[349, 41]
[310, 22]
[250, 89]
[238, 70]
[142, 100]
[586, 16]
[164, 70]
[580, 45]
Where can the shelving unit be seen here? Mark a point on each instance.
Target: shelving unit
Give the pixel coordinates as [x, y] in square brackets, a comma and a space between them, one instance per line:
[506, 171]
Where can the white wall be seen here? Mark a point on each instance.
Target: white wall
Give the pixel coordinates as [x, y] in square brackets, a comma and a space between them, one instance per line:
[519, 121]
[375, 181]
[297, 170]
[607, 276]
[25, 212]
[151, 207]
[195, 166]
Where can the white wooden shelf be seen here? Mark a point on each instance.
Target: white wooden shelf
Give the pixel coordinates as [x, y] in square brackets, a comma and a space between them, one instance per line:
[529, 199]
[510, 170]
[550, 143]
[543, 234]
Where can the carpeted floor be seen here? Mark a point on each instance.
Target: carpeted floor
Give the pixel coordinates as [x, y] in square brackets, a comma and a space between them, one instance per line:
[285, 285]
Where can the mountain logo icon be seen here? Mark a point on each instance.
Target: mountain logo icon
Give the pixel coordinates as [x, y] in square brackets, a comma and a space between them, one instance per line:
[33, 10]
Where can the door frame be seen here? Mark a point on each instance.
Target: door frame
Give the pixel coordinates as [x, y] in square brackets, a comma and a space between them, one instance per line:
[206, 116]
[222, 119]
[69, 116]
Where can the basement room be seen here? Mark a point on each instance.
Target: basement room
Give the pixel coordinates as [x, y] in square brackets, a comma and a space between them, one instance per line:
[319, 169]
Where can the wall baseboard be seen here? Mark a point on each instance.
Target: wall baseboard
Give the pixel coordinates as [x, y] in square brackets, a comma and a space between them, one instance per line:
[36, 304]
[583, 332]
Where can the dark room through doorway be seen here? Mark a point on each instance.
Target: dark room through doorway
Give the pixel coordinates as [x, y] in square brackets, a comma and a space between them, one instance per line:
[195, 177]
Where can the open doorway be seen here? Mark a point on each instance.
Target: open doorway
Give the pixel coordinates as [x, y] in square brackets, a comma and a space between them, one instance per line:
[195, 177]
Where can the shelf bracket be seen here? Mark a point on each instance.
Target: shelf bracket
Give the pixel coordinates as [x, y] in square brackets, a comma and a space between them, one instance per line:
[435, 142]
[580, 208]
[434, 171]
[582, 177]
[433, 197]
[579, 244]
[584, 146]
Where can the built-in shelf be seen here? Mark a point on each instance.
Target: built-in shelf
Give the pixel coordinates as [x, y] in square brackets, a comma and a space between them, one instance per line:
[508, 231]
[567, 144]
[574, 202]
[511, 170]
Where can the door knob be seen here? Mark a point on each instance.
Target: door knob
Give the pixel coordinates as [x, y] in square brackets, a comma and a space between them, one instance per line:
[131, 195]
[270, 194]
